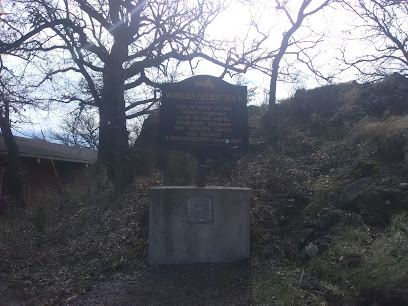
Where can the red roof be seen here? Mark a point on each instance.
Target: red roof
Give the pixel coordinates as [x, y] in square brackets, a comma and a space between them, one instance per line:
[37, 148]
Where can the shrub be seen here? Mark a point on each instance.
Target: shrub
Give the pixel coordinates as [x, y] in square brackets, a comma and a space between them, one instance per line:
[180, 169]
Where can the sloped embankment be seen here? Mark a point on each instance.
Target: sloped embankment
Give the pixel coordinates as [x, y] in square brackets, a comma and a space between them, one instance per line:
[330, 195]
[329, 214]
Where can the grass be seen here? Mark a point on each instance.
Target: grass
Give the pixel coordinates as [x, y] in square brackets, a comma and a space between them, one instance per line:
[362, 261]
[324, 189]
[58, 249]
[281, 287]
[376, 130]
[62, 245]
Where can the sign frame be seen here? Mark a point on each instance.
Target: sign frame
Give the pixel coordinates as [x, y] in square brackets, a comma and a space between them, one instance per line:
[204, 114]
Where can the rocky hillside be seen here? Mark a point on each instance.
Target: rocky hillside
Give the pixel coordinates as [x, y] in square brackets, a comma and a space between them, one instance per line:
[329, 215]
[330, 194]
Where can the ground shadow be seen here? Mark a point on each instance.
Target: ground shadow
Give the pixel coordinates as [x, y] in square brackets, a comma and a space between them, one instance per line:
[188, 284]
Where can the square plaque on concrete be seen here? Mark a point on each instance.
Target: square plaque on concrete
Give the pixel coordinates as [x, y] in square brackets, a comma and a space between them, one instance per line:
[188, 224]
[199, 209]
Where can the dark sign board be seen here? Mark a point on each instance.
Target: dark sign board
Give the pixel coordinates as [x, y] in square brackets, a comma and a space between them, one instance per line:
[204, 113]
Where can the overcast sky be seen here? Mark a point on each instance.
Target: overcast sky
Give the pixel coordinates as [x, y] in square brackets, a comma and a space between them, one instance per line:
[233, 23]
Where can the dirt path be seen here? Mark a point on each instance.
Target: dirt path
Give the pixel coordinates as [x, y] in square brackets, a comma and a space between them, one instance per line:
[176, 284]
[8, 296]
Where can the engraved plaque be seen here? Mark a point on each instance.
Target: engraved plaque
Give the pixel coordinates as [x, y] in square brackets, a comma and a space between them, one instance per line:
[200, 209]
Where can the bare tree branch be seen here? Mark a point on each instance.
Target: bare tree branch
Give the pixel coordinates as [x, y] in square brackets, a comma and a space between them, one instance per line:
[386, 32]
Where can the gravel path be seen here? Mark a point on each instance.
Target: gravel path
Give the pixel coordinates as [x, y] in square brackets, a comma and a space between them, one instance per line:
[8, 296]
[195, 284]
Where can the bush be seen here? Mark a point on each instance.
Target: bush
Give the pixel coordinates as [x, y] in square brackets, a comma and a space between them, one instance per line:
[180, 169]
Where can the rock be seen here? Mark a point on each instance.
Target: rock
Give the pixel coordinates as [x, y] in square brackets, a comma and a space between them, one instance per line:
[304, 234]
[376, 107]
[393, 81]
[328, 218]
[386, 97]
[346, 115]
[364, 168]
[145, 154]
[311, 250]
[374, 198]
[323, 101]
[392, 149]
[352, 191]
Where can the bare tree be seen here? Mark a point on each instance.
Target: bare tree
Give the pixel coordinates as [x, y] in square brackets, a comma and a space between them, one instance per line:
[79, 129]
[14, 101]
[117, 48]
[14, 183]
[295, 13]
[281, 60]
[385, 31]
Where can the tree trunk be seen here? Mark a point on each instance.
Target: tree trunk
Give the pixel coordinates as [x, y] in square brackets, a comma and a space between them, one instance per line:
[273, 107]
[113, 135]
[273, 120]
[273, 82]
[14, 182]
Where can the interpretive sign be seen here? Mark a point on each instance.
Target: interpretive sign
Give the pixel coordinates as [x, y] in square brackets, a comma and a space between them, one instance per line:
[204, 113]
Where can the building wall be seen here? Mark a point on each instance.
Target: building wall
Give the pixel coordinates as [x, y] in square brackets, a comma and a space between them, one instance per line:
[40, 180]
[37, 178]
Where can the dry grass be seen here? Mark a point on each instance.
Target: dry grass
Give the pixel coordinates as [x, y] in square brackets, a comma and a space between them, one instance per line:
[378, 130]
[281, 286]
[365, 261]
[58, 249]
[63, 245]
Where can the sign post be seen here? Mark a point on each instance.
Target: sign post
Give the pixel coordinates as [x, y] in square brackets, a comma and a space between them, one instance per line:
[189, 224]
[204, 114]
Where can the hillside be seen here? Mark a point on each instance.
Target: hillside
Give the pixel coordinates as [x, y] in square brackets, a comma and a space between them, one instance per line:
[329, 214]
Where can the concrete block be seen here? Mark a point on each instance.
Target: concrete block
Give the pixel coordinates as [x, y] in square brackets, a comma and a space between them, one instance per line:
[188, 224]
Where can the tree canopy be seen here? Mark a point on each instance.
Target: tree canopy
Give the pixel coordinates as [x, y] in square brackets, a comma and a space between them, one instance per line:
[117, 49]
[383, 26]
[114, 55]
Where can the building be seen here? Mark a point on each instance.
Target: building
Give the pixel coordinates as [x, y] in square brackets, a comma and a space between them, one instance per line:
[45, 166]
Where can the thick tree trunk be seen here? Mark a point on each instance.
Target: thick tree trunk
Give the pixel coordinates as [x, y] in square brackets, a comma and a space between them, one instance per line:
[113, 135]
[14, 182]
